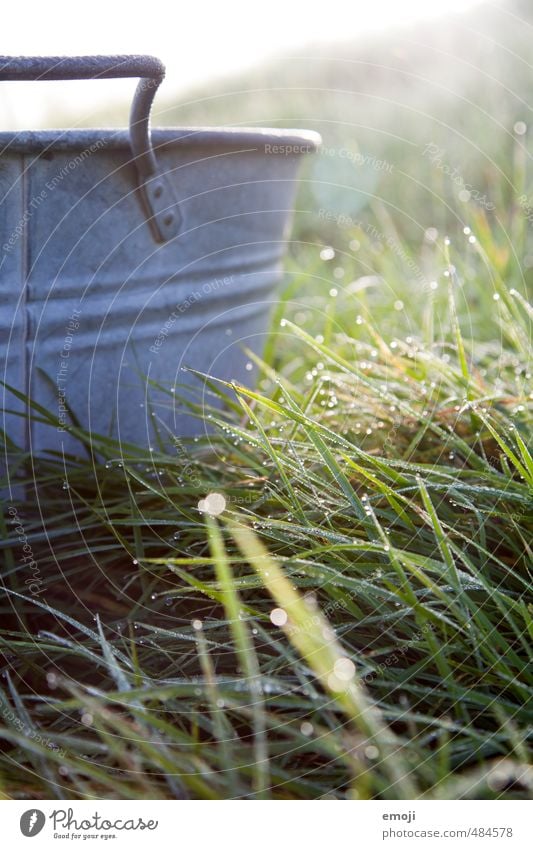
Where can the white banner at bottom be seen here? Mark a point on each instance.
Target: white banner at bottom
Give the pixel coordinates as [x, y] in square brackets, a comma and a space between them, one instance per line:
[267, 825]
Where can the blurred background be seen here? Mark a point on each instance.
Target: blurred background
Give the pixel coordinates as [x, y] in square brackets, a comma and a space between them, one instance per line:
[200, 43]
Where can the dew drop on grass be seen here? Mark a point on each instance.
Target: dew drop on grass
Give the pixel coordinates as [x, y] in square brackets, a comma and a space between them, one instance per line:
[214, 504]
[372, 753]
[344, 669]
[278, 617]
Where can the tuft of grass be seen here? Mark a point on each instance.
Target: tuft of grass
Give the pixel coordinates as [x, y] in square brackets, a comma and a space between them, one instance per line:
[378, 489]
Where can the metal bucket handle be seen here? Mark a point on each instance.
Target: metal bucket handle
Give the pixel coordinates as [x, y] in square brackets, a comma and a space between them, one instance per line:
[156, 190]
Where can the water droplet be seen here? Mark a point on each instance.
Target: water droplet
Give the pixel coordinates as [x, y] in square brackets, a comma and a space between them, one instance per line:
[344, 669]
[51, 680]
[371, 752]
[278, 617]
[214, 504]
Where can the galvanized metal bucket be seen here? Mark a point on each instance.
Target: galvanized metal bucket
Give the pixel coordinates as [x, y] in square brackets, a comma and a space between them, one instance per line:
[129, 256]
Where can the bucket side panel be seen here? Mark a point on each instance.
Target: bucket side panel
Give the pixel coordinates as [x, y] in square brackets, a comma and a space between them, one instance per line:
[108, 306]
[15, 218]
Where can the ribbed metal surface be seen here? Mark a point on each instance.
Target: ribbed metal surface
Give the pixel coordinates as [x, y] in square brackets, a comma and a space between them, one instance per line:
[90, 303]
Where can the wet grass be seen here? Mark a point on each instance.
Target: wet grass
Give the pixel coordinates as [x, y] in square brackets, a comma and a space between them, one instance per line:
[356, 622]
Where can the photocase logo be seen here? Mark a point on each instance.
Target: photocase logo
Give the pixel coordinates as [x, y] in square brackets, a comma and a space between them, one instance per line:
[32, 822]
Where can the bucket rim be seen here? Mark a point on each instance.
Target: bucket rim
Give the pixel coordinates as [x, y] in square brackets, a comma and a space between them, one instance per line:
[281, 142]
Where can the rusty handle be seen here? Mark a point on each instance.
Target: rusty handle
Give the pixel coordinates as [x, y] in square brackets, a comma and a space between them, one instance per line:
[156, 190]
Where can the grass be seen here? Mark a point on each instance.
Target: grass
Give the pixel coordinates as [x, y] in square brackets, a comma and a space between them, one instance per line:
[377, 483]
